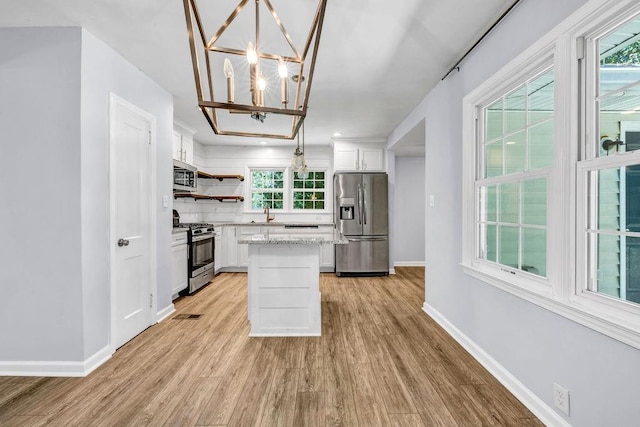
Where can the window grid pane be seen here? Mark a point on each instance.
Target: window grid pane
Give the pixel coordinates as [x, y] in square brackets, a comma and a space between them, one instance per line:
[519, 131]
[309, 193]
[267, 189]
[614, 232]
[513, 224]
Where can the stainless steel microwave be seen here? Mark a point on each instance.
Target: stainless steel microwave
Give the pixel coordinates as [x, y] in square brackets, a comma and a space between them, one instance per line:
[185, 177]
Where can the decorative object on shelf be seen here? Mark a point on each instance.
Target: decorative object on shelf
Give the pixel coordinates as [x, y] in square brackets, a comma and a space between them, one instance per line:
[298, 162]
[252, 70]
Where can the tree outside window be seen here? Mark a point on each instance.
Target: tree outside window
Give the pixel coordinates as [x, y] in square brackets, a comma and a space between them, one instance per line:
[309, 193]
[267, 189]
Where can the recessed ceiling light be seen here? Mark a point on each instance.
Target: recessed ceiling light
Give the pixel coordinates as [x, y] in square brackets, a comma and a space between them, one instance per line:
[263, 142]
[336, 134]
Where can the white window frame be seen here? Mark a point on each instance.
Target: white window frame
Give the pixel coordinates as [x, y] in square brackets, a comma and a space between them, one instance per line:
[285, 183]
[623, 312]
[323, 190]
[520, 277]
[287, 190]
[565, 294]
[521, 282]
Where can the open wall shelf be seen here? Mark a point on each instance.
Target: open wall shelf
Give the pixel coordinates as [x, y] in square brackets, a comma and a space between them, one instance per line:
[205, 197]
[219, 177]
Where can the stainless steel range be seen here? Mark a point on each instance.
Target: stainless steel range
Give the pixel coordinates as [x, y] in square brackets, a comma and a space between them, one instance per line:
[201, 249]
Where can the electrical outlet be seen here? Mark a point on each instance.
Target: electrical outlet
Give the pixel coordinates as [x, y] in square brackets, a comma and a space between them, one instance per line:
[561, 398]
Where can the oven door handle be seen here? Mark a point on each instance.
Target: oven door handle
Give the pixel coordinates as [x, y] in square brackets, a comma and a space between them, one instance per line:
[202, 237]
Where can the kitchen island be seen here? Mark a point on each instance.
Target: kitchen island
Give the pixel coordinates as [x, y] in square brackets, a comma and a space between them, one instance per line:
[284, 280]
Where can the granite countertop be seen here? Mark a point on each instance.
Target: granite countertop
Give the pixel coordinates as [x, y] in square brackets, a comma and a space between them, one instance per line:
[320, 238]
[273, 224]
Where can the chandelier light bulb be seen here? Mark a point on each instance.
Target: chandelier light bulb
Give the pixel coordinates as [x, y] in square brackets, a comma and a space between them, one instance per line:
[262, 82]
[283, 71]
[252, 55]
[228, 72]
[228, 68]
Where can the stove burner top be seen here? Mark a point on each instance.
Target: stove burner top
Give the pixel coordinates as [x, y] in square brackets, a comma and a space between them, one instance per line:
[197, 228]
[194, 224]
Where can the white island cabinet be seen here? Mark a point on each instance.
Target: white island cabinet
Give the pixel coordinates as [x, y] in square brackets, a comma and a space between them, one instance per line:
[284, 282]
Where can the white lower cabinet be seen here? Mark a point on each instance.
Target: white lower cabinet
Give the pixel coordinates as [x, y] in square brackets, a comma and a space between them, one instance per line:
[243, 250]
[327, 258]
[180, 259]
[217, 250]
[229, 247]
[235, 256]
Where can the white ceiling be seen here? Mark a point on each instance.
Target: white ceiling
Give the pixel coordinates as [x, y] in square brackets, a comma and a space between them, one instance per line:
[377, 58]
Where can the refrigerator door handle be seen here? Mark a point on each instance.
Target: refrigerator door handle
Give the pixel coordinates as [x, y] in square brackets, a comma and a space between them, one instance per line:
[367, 239]
[364, 203]
[359, 201]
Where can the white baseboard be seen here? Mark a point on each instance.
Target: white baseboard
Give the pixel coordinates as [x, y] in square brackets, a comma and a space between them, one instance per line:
[392, 270]
[165, 312]
[536, 405]
[408, 264]
[56, 369]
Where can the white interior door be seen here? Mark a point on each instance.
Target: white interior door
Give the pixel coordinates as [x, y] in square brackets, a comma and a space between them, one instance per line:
[131, 291]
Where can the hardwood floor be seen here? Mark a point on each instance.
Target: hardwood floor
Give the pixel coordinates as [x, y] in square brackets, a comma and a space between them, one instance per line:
[380, 361]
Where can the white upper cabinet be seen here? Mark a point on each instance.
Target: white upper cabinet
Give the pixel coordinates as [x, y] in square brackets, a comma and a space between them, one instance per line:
[183, 143]
[360, 157]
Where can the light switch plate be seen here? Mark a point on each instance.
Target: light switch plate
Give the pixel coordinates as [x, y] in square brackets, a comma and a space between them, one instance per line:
[165, 201]
[432, 200]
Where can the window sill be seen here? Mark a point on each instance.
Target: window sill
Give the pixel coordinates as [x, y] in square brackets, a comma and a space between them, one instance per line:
[602, 321]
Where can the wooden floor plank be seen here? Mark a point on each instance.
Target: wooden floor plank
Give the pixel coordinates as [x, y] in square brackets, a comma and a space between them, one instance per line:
[222, 403]
[426, 398]
[393, 391]
[309, 410]
[312, 371]
[380, 361]
[281, 398]
[250, 409]
[190, 402]
[369, 404]
[406, 420]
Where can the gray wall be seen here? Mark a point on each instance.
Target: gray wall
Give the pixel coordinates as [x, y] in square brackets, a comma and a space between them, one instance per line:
[104, 71]
[40, 272]
[533, 344]
[54, 164]
[409, 208]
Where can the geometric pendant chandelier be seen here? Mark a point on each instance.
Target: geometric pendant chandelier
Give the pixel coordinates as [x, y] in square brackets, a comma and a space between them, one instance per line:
[253, 66]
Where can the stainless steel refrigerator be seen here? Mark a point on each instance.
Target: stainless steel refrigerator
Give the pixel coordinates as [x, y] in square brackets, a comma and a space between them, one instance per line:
[361, 214]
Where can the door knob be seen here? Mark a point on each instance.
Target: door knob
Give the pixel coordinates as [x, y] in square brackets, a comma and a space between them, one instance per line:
[123, 242]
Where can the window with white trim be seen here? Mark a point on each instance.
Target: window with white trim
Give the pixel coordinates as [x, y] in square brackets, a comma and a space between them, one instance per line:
[609, 170]
[515, 142]
[309, 192]
[552, 172]
[284, 190]
[267, 188]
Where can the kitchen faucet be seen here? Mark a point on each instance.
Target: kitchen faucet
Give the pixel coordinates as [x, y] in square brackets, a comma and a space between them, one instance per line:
[266, 210]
